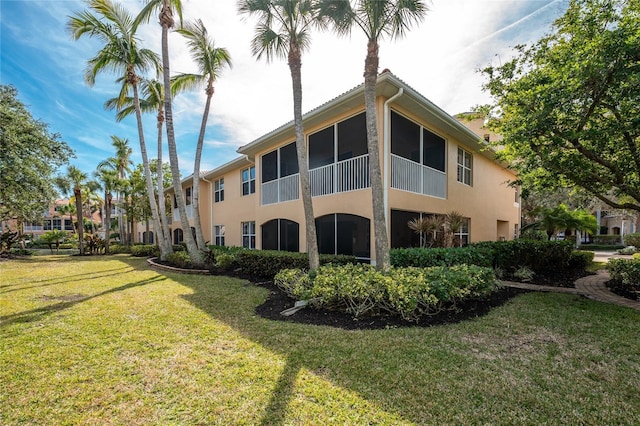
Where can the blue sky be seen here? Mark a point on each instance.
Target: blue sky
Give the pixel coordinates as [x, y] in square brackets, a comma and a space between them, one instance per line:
[439, 58]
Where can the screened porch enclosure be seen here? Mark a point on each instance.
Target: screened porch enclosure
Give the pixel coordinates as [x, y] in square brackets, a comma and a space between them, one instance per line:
[338, 157]
[418, 158]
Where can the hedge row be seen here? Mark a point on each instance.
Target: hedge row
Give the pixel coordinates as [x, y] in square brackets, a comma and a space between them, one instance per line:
[410, 292]
[539, 256]
[267, 263]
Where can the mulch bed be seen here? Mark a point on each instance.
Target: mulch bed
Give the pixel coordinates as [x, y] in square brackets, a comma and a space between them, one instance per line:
[278, 301]
[565, 278]
[623, 292]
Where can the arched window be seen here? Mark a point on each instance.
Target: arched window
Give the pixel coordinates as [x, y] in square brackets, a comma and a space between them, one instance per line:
[281, 234]
[178, 236]
[147, 237]
[341, 233]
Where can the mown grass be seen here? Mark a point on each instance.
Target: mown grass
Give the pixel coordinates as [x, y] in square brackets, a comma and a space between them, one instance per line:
[105, 340]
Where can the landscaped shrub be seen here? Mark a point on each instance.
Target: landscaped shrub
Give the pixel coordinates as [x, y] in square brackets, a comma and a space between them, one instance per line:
[267, 263]
[542, 257]
[426, 257]
[625, 273]
[629, 250]
[632, 240]
[580, 260]
[609, 240]
[119, 248]
[145, 250]
[179, 259]
[410, 292]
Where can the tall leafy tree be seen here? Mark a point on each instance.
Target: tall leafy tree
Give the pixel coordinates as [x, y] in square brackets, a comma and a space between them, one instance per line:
[568, 106]
[166, 9]
[284, 30]
[211, 61]
[377, 19]
[113, 25]
[29, 158]
[152, 101]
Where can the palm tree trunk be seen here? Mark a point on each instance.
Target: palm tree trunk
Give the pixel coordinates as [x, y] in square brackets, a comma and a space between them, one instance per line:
[196, 171]
[107, 225]
[78, 194]
[145, 163]
[163, 239]
[166, 20]
[295, 66]
[377, 192]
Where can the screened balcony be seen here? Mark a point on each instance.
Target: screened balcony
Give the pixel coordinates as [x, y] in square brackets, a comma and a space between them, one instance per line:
[418, 158]
[343, 176]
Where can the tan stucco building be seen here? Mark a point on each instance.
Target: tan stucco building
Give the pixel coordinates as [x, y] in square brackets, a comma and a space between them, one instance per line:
[431, 164]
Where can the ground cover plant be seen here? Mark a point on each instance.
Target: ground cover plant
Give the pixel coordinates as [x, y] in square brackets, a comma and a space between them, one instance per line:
[105, 340]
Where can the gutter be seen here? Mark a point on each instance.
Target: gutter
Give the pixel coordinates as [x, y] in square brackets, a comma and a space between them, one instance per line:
[386, 153]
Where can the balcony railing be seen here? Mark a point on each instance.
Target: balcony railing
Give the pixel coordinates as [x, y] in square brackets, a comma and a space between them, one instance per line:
[281, 190]
[343, 176]
[410, 176]
[176, 213]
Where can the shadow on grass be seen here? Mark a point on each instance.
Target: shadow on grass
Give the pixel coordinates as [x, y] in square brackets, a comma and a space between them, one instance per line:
[357, 360]
[39, 313]
[68, 279]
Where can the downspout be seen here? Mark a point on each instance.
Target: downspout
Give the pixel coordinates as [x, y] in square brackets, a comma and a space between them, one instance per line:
[386, 154]
[212, 237]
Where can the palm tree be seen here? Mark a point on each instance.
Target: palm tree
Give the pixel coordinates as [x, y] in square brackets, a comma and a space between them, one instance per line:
[427, 228]
[117, 29]
[211, 61]
[453, 223]
[166, 8]
[73, 181]
[152, 101]
[68, 209]
[284, 30]
[92, 203]
[377, 18]
[108, 176]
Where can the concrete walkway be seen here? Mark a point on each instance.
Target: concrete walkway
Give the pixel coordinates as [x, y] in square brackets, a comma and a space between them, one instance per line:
[591, 286]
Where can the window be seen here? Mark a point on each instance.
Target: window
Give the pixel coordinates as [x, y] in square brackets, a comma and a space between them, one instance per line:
[57, 224]
[178, 236]
[461, 237]
[249, 235]
[188, 195]
[281, 234]
[414, 142]
[219, 190]
[249, 181]
[280, 163]
[47, 225]
[68, 225]
[344, 234]
[464, 166]
[219, 229]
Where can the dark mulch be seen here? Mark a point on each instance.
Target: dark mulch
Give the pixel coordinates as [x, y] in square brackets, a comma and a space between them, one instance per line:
[563, 278]
[278, 301]
[623, 291]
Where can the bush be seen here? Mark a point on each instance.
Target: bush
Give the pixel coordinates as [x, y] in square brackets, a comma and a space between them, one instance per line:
[542, 257]
[627, 250]
[632, 240]
[225, 261]
[427, 257]
[179, 259]
[145, 250]
[21, 252]
[267, 263]
[625, 273]
[607, 240]
[119, 248]
[581, 260]
[360, 289]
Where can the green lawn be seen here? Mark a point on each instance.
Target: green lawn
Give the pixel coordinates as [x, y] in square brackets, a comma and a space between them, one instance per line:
[105, 340]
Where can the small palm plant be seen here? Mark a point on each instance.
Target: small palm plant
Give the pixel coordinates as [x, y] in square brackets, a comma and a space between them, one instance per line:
[427, 227]
[453, 223]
